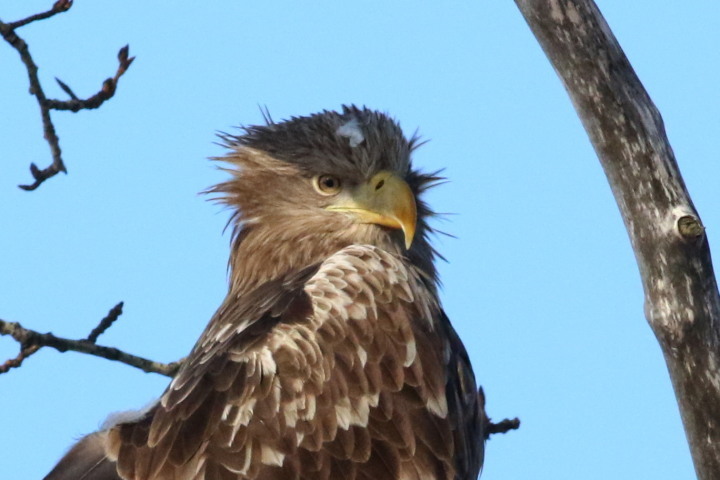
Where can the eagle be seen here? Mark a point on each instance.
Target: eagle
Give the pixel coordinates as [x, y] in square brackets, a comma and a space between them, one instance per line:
[331, 356]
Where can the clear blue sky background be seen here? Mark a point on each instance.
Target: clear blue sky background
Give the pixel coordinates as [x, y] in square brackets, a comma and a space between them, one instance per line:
[541, 281]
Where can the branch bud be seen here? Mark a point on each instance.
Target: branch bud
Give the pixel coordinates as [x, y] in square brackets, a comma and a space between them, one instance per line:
[62, 5]
[123, 54]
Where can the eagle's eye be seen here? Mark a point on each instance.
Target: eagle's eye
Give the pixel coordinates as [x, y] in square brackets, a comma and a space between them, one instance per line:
[327, 184]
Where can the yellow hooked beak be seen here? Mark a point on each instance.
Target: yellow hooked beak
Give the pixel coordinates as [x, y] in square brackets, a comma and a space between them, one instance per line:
[386, 200]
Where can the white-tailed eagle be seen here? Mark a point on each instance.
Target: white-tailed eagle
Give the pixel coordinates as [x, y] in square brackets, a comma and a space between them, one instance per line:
[331, 357]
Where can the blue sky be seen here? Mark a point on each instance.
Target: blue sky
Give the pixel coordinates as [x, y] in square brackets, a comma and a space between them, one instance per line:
[541, 282]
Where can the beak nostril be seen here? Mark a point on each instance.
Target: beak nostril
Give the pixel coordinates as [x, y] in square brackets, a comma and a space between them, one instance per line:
[379, 184]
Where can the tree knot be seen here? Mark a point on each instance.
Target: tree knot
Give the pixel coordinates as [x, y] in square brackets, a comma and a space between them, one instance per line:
[690, 227]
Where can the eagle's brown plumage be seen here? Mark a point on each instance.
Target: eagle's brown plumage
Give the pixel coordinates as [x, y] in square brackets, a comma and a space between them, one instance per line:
[330, 356]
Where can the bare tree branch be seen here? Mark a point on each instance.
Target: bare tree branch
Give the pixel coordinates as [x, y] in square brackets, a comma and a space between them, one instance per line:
[681, 297]
[106, 92]
[31, 341]
[8, 32]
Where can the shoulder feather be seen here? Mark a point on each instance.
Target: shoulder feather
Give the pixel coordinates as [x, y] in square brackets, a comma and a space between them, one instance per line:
[339, 371]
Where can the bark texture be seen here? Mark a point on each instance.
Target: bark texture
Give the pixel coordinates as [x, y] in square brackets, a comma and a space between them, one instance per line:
[669, 241]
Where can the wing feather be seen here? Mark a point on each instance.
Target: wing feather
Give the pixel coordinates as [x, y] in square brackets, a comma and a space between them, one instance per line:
[86, 460]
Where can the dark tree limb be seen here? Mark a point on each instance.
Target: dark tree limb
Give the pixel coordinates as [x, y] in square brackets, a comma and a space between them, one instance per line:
[8, 32]
[671, 248]
[31, 341]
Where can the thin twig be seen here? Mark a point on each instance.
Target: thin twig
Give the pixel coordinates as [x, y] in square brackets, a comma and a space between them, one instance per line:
[30, 339]
[59, 7]
[503, 426]
[105, 323]
[109, 86]
[17, 361]
[66, 89]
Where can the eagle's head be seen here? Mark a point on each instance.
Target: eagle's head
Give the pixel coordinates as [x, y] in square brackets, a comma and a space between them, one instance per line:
[306, 187]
